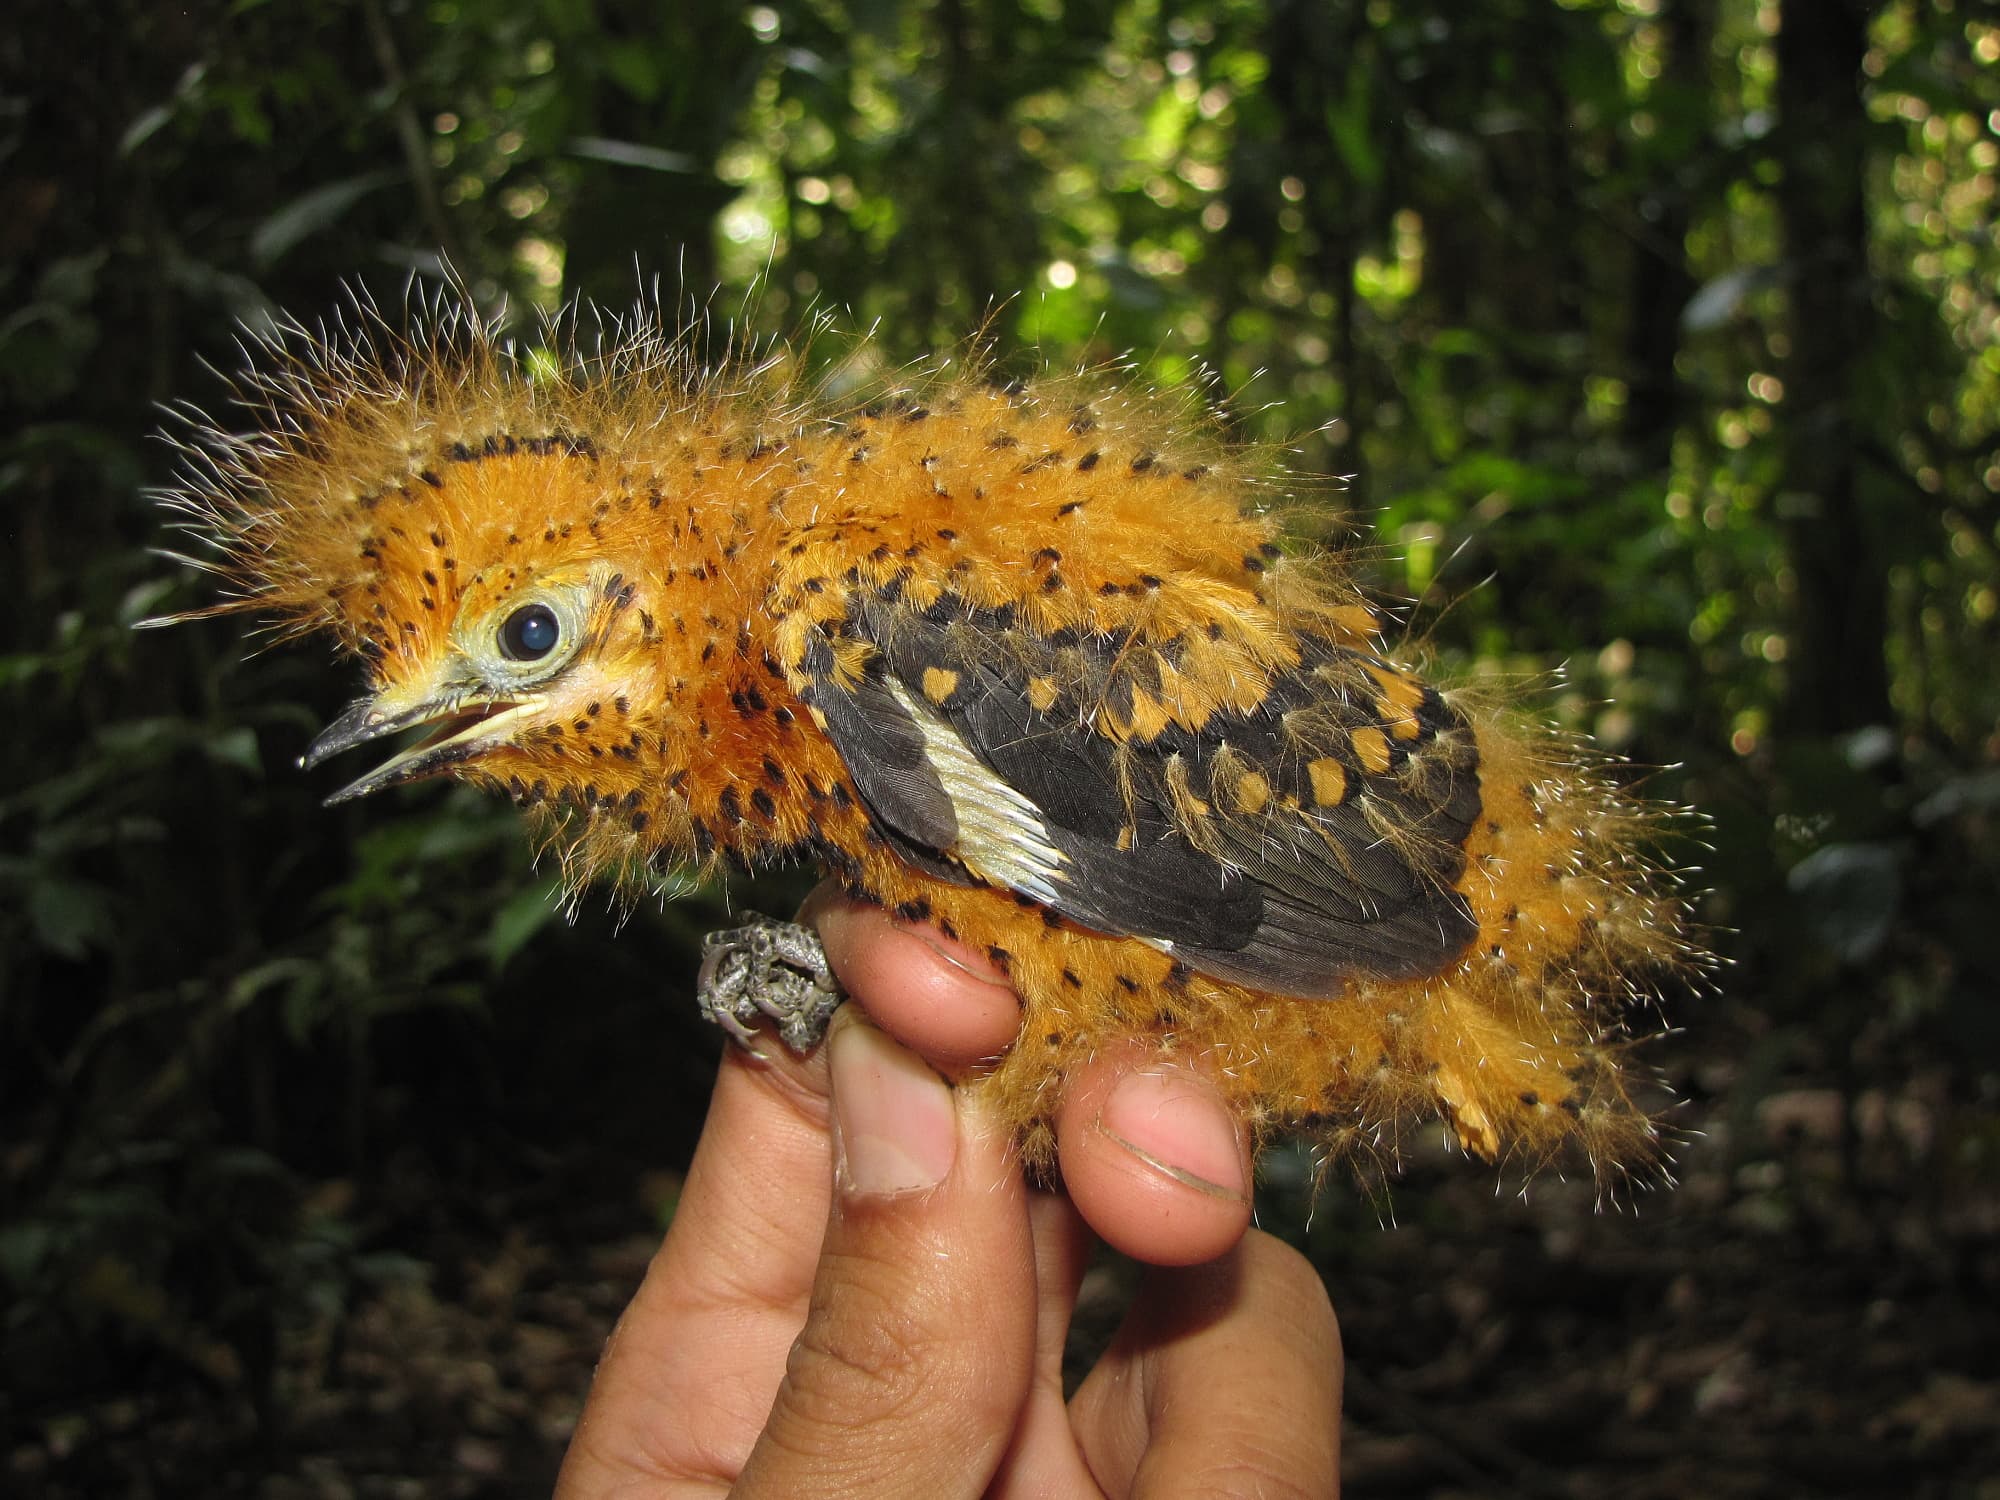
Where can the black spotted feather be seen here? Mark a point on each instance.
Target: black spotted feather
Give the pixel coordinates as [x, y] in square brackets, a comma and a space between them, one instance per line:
[1293, 847]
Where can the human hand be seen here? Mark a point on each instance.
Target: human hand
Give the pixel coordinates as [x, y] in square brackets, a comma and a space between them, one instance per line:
[860, 1295]
[1152, 1157]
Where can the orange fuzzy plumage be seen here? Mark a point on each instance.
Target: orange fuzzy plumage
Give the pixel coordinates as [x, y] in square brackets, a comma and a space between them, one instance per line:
[1026, 662]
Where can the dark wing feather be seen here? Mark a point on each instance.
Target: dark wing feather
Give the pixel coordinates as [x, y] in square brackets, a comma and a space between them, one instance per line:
[886, 756]
[1336, 870]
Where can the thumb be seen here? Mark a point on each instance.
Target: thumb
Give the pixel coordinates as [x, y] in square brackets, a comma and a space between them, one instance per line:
[914, 1362]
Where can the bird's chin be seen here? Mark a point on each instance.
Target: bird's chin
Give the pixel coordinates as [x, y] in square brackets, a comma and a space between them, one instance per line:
[458, 729]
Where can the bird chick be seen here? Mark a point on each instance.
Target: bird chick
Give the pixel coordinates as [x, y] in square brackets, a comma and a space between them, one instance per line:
[1030, 662]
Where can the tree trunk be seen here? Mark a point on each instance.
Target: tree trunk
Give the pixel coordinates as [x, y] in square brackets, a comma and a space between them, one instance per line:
[1661, 281]
[1838, 673]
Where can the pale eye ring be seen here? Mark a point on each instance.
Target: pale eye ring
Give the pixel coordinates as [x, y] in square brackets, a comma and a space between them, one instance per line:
[530, 633]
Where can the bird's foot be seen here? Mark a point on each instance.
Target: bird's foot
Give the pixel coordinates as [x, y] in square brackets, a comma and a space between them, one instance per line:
[767, 970]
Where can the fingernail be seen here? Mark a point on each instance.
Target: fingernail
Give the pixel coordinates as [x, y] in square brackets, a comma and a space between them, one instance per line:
[894, 1125]
[1174, 1125]
[956, 954]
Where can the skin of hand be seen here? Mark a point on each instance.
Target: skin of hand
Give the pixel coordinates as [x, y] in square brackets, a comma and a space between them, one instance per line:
[860, 1295]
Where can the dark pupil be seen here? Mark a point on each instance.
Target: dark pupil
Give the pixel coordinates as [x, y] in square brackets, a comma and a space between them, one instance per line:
[530, 633]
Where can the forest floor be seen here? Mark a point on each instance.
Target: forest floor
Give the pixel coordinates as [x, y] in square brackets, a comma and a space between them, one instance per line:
[1814, 1310]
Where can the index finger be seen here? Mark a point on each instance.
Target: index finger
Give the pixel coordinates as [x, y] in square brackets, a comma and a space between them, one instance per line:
[710, 1327]
[1151, 1153]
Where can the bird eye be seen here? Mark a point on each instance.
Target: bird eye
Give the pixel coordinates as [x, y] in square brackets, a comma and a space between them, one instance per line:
[530, 633]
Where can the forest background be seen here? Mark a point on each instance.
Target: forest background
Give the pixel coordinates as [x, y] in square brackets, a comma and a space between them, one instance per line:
[1659, 339]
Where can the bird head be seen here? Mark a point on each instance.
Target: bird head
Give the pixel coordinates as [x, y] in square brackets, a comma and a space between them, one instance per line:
[522, 657]
[471, 527]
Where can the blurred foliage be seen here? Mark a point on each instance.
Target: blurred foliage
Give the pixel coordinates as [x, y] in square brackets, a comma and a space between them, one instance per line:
[1536, 276]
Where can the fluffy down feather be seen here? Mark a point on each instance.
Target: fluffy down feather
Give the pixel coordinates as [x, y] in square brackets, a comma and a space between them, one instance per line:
[1031, 661]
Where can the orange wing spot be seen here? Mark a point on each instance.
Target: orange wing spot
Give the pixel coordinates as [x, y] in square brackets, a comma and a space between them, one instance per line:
[1245, 691]
[1329, 781]
[1355, 619]
[850, 660]
[1252, 791]
[1149, 717]
[1400, 697]
[1371, 748]
[1401, 694]
[939, 684]
[1042, 693]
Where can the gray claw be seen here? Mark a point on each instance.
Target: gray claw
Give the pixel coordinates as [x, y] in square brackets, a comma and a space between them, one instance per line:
[767, 970]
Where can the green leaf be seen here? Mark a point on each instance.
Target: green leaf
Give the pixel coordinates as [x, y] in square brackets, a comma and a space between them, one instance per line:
[253, 982]
[1348, 122]
[1850, 894]
[144, 128]
[70, 916]
[24, 1248]
[635, 69]
[311, 212]
[1719, 300]
[631, 154]
[236, 747]
[525, 913]
[149, 122]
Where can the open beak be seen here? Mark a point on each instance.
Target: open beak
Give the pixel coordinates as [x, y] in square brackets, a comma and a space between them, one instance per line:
[461, 726]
